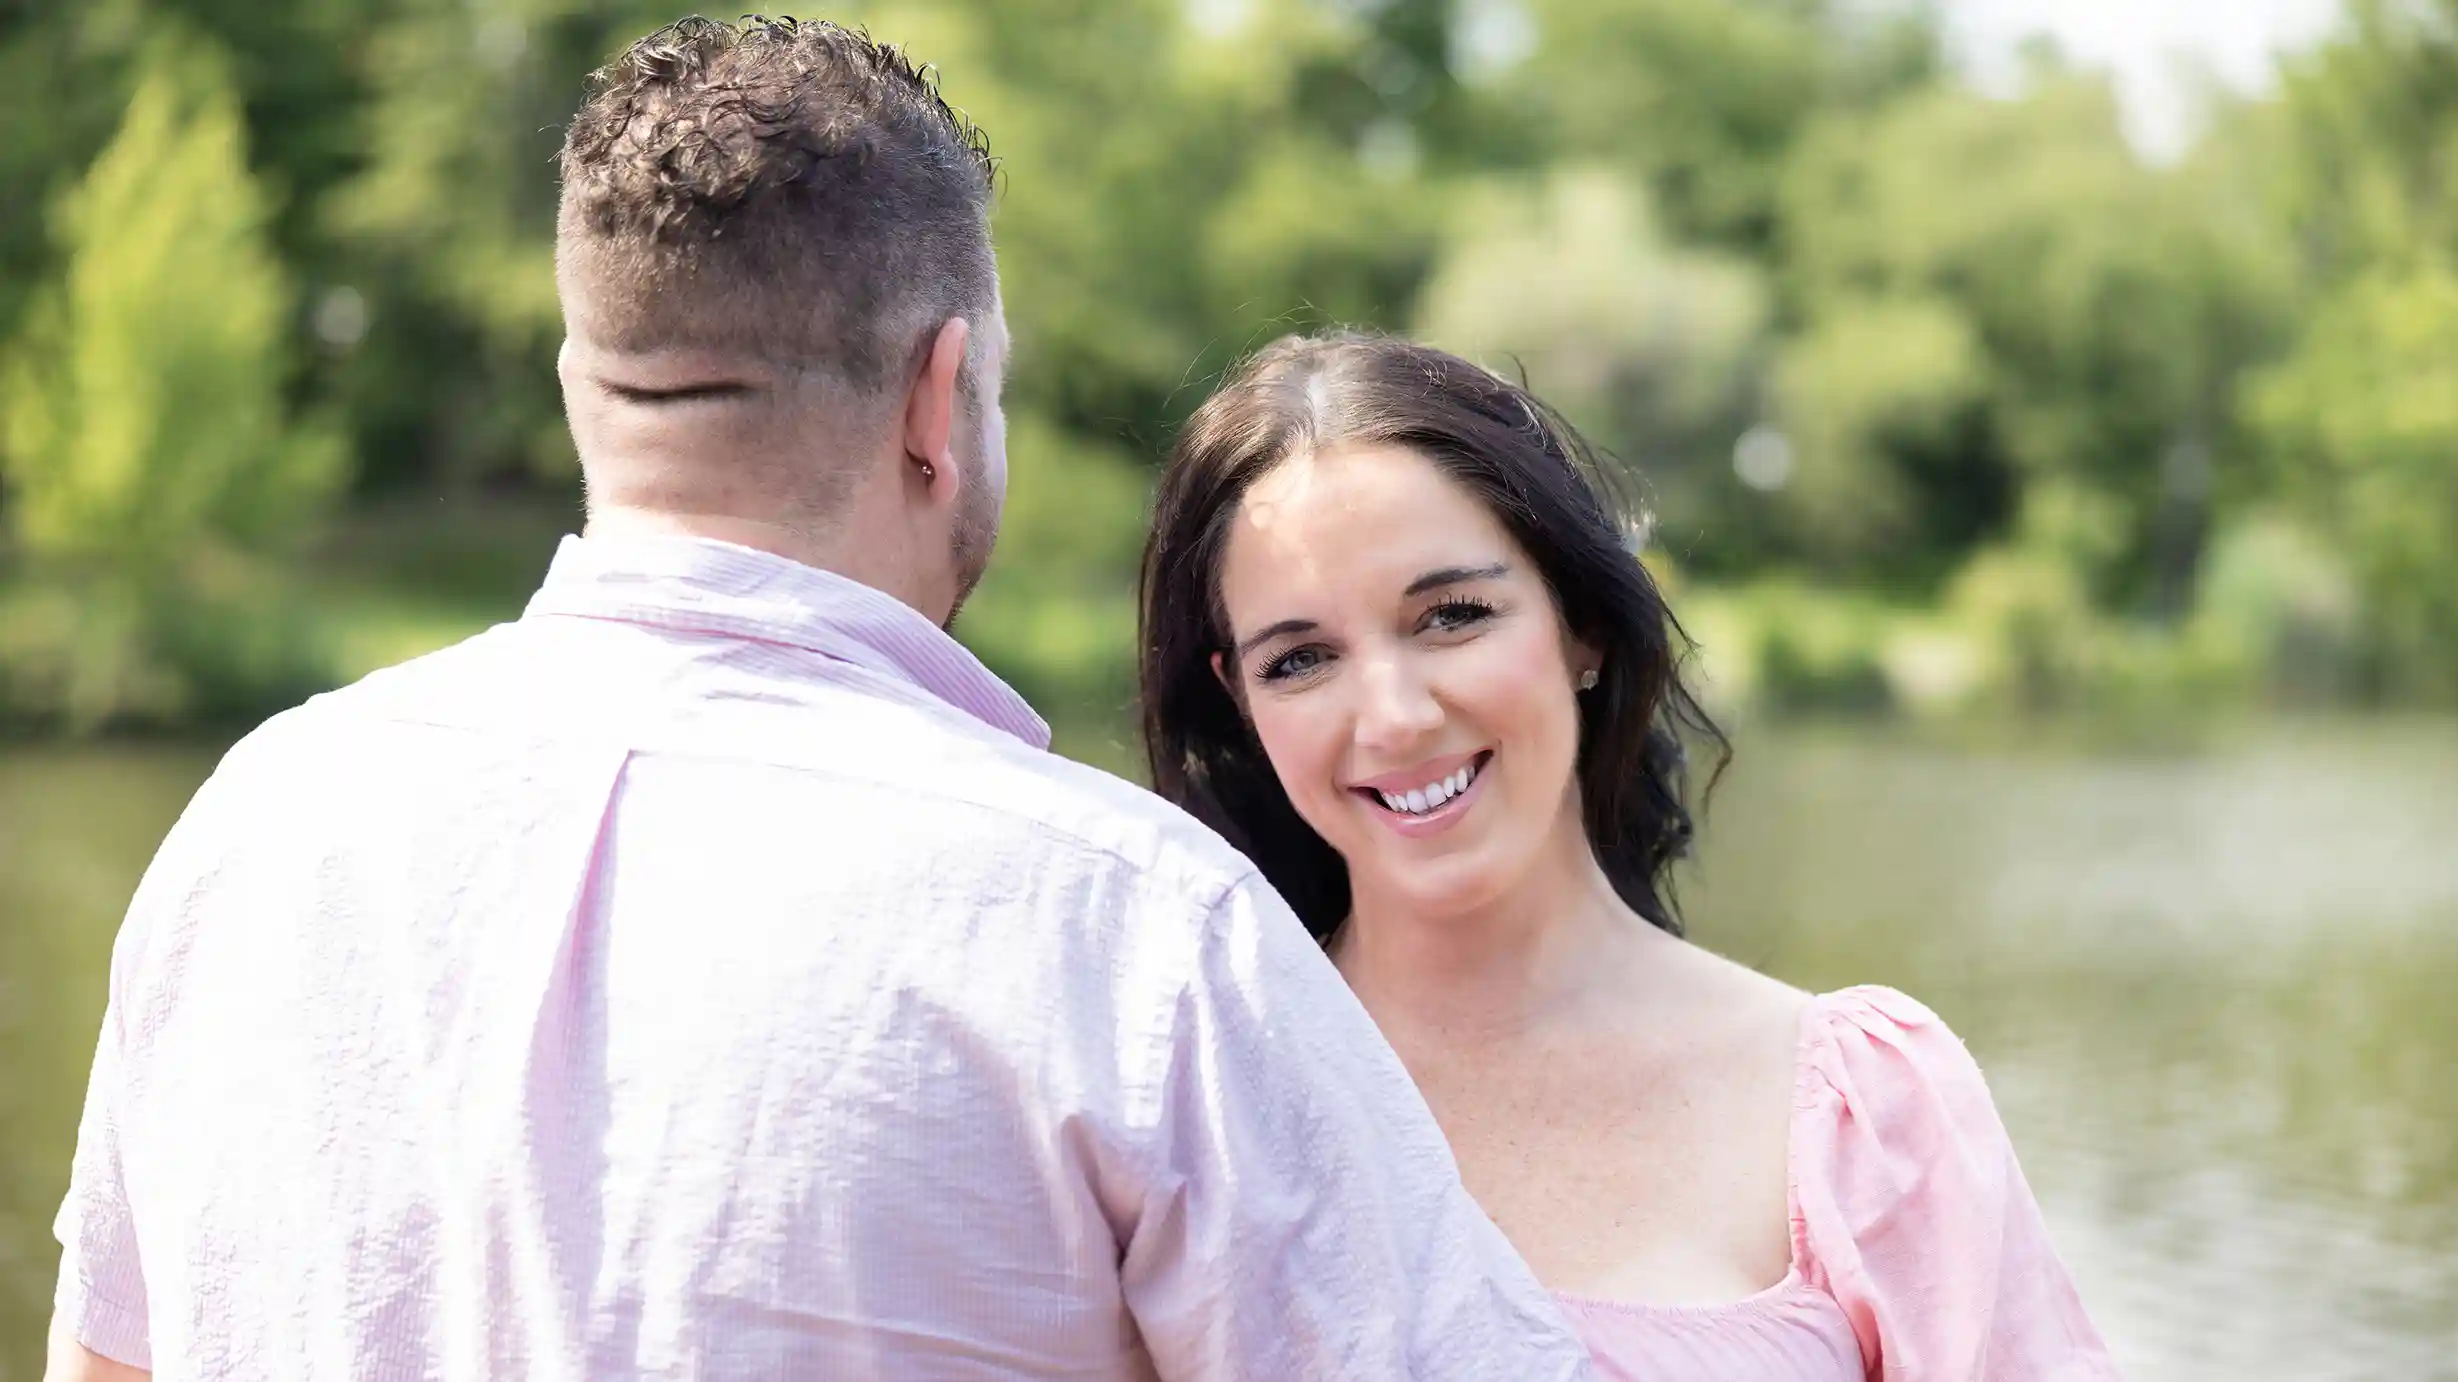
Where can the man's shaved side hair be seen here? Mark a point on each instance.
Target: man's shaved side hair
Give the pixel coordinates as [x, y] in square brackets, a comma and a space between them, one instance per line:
[790, 196]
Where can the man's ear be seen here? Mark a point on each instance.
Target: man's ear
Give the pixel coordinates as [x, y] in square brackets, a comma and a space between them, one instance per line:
[931, 408]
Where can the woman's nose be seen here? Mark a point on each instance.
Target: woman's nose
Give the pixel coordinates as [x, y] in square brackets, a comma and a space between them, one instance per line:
[1398, 707]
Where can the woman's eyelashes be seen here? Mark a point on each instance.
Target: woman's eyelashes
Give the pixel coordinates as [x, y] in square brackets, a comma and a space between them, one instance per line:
[1452, 616]
[1296, 662]
[1448, 617]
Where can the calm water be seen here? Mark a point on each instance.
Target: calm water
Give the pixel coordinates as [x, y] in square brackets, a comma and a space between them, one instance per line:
[2215, 989]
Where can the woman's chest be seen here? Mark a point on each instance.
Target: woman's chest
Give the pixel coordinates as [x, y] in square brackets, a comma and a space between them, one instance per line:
[1623, 1180]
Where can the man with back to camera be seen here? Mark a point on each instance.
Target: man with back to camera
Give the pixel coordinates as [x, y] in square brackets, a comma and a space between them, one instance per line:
[710, 974]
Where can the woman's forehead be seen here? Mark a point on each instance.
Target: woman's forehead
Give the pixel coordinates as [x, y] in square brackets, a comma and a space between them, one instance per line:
[1345, 488]
[1351, 521]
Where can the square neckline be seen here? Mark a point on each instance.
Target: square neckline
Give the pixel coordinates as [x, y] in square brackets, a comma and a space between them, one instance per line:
[1795, 1280]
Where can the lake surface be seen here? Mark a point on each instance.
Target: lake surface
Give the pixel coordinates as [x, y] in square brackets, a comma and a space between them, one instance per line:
[2215, 988]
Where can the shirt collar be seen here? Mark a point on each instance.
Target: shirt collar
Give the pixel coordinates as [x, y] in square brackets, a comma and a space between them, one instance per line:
[700, 585]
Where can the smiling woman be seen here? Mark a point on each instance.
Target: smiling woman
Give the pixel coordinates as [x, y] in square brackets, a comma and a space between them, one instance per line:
[1395, 648]
[1420, 716]
[1306, 477]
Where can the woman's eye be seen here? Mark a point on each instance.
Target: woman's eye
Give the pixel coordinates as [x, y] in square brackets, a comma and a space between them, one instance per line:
[1296, 662]
[1453, 615]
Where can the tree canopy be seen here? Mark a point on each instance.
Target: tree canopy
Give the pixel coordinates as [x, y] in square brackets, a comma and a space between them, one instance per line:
[1900, 366]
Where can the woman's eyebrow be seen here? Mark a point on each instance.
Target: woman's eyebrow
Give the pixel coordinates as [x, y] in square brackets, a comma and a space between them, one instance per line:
[1434, 579]
[1275, 631]
[1455, 575]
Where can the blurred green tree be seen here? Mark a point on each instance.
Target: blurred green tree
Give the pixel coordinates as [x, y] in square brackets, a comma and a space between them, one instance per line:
[1704, 100]
[2360, 420]
[1653, 350]
[1862, 331]
[2060, 319]
[147, 448]
[2364, 418]
[63, 84]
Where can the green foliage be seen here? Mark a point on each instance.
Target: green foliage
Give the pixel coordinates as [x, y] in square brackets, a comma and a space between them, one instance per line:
[443, 227]
[2370, 137]
[1868, 391]
[1650, 349]
[1705, 100]
[2077, 311]
[147, 450]
[2279, 605]
[2360, 419]
[1940, 400]
[1784, 646]
[1056, 614]
[2366, 410]
[61, 93]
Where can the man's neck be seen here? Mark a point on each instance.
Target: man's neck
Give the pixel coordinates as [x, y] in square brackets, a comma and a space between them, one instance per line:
[821, 551]
[776, 539]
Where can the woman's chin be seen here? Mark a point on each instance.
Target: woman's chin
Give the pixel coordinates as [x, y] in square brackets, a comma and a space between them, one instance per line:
[1428, 890]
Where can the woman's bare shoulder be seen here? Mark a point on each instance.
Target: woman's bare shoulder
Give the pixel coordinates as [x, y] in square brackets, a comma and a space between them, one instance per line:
[1724, 995]
[1727, 1023]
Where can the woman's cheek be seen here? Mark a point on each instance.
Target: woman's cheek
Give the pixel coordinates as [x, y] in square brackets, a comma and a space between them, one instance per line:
[1304, 752]
[1501, 683]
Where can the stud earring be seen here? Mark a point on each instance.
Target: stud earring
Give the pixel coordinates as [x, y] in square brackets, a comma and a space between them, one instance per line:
[1587, 680]
[928, 474]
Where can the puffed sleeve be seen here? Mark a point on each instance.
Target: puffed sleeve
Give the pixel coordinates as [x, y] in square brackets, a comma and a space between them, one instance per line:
[1911, 1210]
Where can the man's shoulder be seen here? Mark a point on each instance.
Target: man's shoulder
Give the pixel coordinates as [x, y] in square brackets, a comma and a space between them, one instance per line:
[1008, 788]
[310, 734]
[818, 739]
[1103, 805]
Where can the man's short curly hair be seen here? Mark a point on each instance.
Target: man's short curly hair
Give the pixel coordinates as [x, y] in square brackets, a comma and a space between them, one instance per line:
[792, 191]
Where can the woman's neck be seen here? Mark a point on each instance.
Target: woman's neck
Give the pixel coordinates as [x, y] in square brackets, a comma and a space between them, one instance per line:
[1513, 966]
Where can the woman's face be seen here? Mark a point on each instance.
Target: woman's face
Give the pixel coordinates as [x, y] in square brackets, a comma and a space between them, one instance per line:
[1407, 673]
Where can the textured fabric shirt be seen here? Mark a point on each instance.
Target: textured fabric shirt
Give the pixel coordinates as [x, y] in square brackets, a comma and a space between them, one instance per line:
[710, 975]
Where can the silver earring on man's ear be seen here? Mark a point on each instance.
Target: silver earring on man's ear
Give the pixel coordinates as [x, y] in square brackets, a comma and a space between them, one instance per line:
[928, 474]
[1587, 680]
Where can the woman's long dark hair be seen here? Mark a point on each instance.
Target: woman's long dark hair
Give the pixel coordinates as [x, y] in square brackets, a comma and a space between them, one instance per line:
[1537, 475]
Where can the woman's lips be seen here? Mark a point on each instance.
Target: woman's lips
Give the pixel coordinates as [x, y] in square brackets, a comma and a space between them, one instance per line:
[1419, 825]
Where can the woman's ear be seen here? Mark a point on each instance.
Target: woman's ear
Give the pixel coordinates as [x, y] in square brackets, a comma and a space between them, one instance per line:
[1585, 660]
[1230, 682]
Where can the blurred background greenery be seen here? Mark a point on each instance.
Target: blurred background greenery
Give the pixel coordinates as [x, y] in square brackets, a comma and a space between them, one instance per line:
[2072, 527]
[1945, 401]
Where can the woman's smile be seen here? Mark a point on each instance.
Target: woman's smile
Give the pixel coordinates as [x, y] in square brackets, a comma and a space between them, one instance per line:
[1443, 790]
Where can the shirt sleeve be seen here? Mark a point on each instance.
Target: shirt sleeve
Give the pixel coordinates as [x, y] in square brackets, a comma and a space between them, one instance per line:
[1912, 1211]
[1303, 1217]
[101, 1295]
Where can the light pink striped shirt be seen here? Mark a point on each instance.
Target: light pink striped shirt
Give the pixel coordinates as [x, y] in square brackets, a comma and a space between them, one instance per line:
[709, 975]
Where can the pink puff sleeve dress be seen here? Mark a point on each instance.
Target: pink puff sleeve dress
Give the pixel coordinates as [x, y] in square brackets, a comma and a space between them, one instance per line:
[1918, 1254]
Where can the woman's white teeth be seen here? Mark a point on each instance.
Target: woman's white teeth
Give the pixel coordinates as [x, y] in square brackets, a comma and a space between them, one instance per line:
[1426, 798]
